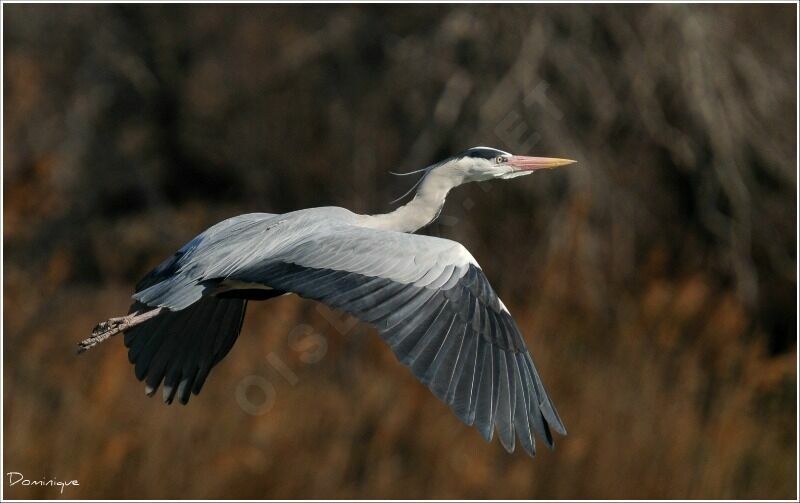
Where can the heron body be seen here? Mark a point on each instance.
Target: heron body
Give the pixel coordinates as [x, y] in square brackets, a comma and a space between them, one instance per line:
[426, 296]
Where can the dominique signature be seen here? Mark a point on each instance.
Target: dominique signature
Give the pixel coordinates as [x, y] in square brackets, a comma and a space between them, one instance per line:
[15, 478]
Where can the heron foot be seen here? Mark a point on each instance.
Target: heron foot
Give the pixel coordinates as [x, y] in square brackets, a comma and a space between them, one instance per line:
[113, 326]
[109, 324]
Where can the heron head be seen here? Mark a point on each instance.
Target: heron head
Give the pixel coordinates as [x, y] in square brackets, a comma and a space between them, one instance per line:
[485, 163]
[477, 164]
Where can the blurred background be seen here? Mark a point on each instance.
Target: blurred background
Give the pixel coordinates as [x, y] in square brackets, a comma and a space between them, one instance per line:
[655, 281]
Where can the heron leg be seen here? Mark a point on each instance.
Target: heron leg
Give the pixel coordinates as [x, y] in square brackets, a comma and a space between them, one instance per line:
[113, 326]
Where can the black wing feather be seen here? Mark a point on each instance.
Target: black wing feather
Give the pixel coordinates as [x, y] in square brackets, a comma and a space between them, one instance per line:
[459, 341]
[454, 335]
[179, 348]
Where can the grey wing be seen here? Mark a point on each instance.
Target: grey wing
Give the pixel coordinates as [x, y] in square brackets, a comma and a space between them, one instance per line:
[435, 308]
[179, 347]
[177, 283]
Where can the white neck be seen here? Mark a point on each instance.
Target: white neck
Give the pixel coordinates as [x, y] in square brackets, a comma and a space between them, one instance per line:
[421, 210]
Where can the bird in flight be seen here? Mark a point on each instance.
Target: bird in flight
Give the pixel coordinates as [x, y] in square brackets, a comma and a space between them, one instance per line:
[427, 297]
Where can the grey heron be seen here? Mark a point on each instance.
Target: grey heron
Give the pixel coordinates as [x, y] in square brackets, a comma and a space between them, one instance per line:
[427, 297]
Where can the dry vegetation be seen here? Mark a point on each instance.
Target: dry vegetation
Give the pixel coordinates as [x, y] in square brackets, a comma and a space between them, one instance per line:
[654, 281]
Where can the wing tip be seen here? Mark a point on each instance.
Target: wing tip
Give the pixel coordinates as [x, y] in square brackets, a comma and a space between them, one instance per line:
[552, 417]
[508, 443]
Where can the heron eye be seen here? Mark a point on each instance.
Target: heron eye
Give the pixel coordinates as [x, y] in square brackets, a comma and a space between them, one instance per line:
[500, 159]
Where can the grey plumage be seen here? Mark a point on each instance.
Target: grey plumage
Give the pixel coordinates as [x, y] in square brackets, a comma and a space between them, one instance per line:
[426, 296]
